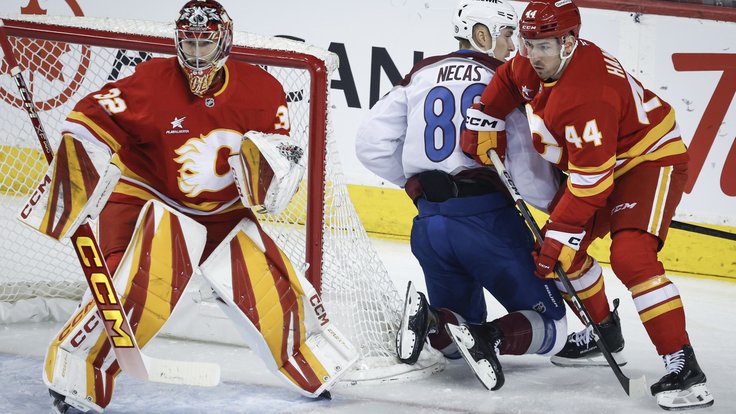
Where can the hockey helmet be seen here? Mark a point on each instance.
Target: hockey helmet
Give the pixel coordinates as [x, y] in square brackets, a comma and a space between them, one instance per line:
[494, 14]
[549, 18]
[204, 36]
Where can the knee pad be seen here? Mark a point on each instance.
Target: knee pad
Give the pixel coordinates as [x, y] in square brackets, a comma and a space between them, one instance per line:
[634, 256]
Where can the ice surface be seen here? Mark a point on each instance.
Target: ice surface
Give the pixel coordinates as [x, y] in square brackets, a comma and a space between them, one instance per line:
[533, 385]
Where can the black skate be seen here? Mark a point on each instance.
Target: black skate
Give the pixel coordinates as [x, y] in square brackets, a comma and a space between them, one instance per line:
[478, 344]
[417, 321]
[582, 350]
[683, 387]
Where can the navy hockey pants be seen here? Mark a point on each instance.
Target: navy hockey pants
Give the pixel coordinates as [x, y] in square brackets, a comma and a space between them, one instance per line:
[467, 244]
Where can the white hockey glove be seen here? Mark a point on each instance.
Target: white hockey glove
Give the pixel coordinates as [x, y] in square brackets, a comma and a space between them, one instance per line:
[267, 171]
[77, 185]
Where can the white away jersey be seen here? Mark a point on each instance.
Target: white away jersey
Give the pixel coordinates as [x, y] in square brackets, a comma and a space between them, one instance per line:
[416, 126]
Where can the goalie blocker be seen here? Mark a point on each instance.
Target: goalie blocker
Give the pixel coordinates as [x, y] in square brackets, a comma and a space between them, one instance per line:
[77, 185]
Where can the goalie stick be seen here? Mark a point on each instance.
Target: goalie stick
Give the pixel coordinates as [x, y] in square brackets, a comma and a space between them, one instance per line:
[636, 387]
[109, 307]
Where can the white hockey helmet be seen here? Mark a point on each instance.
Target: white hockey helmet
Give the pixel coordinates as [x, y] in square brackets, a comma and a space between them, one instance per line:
[494, 14]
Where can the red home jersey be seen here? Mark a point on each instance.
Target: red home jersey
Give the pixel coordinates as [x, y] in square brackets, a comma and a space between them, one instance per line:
[172, 144]
[596, 123]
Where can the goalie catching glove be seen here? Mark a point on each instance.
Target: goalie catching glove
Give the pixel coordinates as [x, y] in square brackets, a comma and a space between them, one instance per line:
[267, 171]
[561, 243]
[482, 133]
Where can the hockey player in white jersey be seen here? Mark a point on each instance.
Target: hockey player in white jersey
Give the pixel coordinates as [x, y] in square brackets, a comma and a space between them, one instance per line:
[467, 235]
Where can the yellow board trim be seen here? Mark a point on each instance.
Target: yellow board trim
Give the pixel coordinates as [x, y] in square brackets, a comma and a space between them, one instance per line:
[388, 213]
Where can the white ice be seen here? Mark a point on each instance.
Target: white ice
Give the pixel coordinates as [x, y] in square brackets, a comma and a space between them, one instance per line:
[533, 384]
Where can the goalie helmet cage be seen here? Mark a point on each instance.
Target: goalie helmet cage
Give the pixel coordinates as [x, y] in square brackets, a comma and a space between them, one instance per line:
[62, 59]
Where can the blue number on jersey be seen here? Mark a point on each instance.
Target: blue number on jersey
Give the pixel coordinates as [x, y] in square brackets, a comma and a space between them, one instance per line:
[443, 120]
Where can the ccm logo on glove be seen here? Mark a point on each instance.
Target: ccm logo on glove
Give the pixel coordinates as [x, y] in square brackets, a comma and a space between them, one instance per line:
[561, 243]
[480, 123]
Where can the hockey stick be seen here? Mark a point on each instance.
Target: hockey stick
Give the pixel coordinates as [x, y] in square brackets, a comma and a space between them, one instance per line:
[707, 231]
[636, 387]
[109, 307]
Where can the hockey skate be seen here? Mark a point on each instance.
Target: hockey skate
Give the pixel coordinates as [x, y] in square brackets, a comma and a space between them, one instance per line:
[582, 350]
[417, 321]
[64, 405]
[683, 387]
[478, 344]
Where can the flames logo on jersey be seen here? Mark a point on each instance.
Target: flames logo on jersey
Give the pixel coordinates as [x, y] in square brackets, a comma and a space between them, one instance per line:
[204, 164]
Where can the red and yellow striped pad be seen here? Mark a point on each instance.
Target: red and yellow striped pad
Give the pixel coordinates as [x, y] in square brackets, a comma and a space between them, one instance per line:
[259, 284]
[155, 269]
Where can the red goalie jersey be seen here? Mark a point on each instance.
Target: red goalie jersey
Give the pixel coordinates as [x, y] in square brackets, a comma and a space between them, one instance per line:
[596, 123]
[174, 145]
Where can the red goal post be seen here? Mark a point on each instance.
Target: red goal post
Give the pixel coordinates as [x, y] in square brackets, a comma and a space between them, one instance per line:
[64, 58]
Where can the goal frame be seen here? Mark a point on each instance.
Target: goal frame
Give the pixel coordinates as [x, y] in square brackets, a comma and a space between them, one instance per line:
[337, 256]
[316, 67]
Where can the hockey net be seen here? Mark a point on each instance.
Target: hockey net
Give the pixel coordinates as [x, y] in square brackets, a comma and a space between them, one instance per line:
[63, 59]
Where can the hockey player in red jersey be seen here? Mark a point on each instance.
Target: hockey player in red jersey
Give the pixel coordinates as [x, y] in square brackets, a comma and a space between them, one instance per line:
[189, 144]
[626, 163]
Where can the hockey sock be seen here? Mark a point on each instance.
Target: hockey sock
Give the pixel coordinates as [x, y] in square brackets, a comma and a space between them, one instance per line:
[440, 339]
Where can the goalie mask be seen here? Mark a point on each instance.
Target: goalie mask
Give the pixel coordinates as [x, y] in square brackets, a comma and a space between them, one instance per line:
[204, 36]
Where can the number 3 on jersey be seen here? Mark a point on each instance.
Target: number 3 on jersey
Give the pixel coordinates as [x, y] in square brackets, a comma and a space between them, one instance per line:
[439, 111]
[111, 101]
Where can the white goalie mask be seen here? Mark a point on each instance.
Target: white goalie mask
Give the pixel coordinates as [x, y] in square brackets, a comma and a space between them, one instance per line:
[494, 14]
[204, 36]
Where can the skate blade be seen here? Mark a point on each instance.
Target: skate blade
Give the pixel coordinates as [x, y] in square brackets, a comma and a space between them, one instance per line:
[482, 368]
[696, 396]
[406, 338]
[596, 361]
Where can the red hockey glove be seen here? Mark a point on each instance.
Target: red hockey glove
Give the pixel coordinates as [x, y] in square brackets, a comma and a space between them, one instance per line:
[561, 242]
[481, 134]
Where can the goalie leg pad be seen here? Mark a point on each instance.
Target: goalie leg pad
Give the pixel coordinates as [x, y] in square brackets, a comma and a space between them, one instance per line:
[77, 185]
[277, 311]
[156, 267]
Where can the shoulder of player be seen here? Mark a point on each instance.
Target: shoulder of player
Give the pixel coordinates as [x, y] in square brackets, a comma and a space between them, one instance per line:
[249, 75]
[595, 67]
[484, 61]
